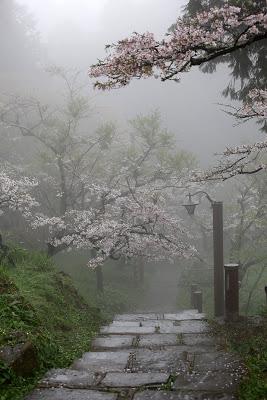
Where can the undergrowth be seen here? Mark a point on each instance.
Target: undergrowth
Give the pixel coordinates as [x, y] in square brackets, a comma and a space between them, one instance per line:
[41, 306]
[248, 338]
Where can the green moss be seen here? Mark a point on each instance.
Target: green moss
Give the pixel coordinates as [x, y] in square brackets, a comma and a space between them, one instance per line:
[40, 304]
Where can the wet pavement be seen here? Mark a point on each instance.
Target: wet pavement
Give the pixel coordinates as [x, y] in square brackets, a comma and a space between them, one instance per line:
[148, 356]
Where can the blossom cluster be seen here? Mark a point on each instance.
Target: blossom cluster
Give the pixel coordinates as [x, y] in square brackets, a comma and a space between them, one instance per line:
[246, 158]
[15, 193]
[191, 41]
[130, 226]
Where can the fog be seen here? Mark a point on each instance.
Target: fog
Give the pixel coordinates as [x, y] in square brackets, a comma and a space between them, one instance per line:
[99, 174]
[75, 33]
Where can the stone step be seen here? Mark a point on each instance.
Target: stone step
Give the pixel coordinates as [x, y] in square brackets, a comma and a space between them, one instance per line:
[102, 362]
[69, 378]
[69, 394]
[155, 340]
[133, 380]
[150, 327]
[182, 395]
[139, 355]
[180, 316]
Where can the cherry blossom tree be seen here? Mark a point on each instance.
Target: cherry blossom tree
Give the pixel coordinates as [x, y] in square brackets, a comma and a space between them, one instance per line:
[192, 41]
[100, 189]
[136, 225]
[249, 158]
[15, 193]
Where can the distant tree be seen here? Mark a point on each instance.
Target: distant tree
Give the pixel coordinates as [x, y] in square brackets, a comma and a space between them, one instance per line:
[248, 158]
[19, 41]
[98, 189]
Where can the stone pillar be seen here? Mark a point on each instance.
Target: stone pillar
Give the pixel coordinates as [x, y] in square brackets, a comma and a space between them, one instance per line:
[198, 300]
[231, 292]
[193, 289]
[217, 207]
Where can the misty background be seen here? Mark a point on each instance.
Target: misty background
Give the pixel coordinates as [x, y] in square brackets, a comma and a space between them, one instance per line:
[74, 33]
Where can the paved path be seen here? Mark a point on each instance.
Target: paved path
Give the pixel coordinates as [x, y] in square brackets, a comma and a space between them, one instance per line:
[148, 356]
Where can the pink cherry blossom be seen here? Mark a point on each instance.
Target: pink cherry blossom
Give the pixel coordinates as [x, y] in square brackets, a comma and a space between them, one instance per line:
[192, 41]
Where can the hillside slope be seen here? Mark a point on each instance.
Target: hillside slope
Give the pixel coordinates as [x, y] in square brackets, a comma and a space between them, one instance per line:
[42, 315]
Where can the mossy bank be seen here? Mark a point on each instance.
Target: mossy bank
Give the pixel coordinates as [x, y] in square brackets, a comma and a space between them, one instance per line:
[42, 313]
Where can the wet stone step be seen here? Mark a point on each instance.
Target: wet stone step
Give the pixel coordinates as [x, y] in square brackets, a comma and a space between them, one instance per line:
[179, 339]
[209, 381]
[133, 380]
[141, 351]
[181, 395]
[126, 330]
[185, 315]
[68, 394]
[150, 327]
[107, 361]
[138, 317]
[198, 339]
[153, 322]
[119, 342]
[114, 341]
[69, 378]
[217, 361]
[180, 316]
[171, 360]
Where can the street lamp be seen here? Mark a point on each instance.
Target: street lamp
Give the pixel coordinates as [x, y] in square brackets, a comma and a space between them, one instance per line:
[217, 207]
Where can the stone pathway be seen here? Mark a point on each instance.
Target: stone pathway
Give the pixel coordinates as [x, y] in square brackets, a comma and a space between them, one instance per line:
[148, 356]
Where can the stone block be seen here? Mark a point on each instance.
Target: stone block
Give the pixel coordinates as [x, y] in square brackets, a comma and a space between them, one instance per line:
[69, 394]
[180, 395]
[113, 342]
[132, 380]
[68, 378]
[107, 361]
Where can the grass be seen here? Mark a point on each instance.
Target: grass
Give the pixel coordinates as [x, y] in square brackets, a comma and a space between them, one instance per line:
[249, 339]
[54, 305]
[41, 305]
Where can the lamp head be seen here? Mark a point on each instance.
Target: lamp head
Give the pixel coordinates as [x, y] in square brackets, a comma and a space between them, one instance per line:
[190, 206]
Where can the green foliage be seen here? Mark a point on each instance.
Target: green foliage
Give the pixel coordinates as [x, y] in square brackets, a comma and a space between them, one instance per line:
[249, 339]
[40, 305]
[121, 294]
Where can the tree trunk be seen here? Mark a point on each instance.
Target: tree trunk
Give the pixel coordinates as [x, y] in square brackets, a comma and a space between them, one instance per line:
[99, 279]
[141, 272]
[135, 275]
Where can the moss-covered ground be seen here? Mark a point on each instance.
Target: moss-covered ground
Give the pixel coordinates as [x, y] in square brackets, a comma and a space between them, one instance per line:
[41, 305]
[248, 338]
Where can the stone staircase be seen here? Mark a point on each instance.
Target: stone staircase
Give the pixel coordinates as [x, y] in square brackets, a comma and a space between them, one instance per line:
[148, 356]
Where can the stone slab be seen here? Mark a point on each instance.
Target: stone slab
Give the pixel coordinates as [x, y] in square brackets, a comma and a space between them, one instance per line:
[217, 361]
[178, 339]
[171, 360]
[193, 327]
[133, 380]
[209, 381]
[151, 323]
[197, 339]
[180, 395]
[107, 361]
[158, 340]
[137, 317]
[127, 330]
[68, 378]
[68, 394]
[113, 342]
[184, 315]
[149, 327]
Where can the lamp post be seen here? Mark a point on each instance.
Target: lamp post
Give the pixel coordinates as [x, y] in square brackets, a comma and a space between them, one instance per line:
[217, 207]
